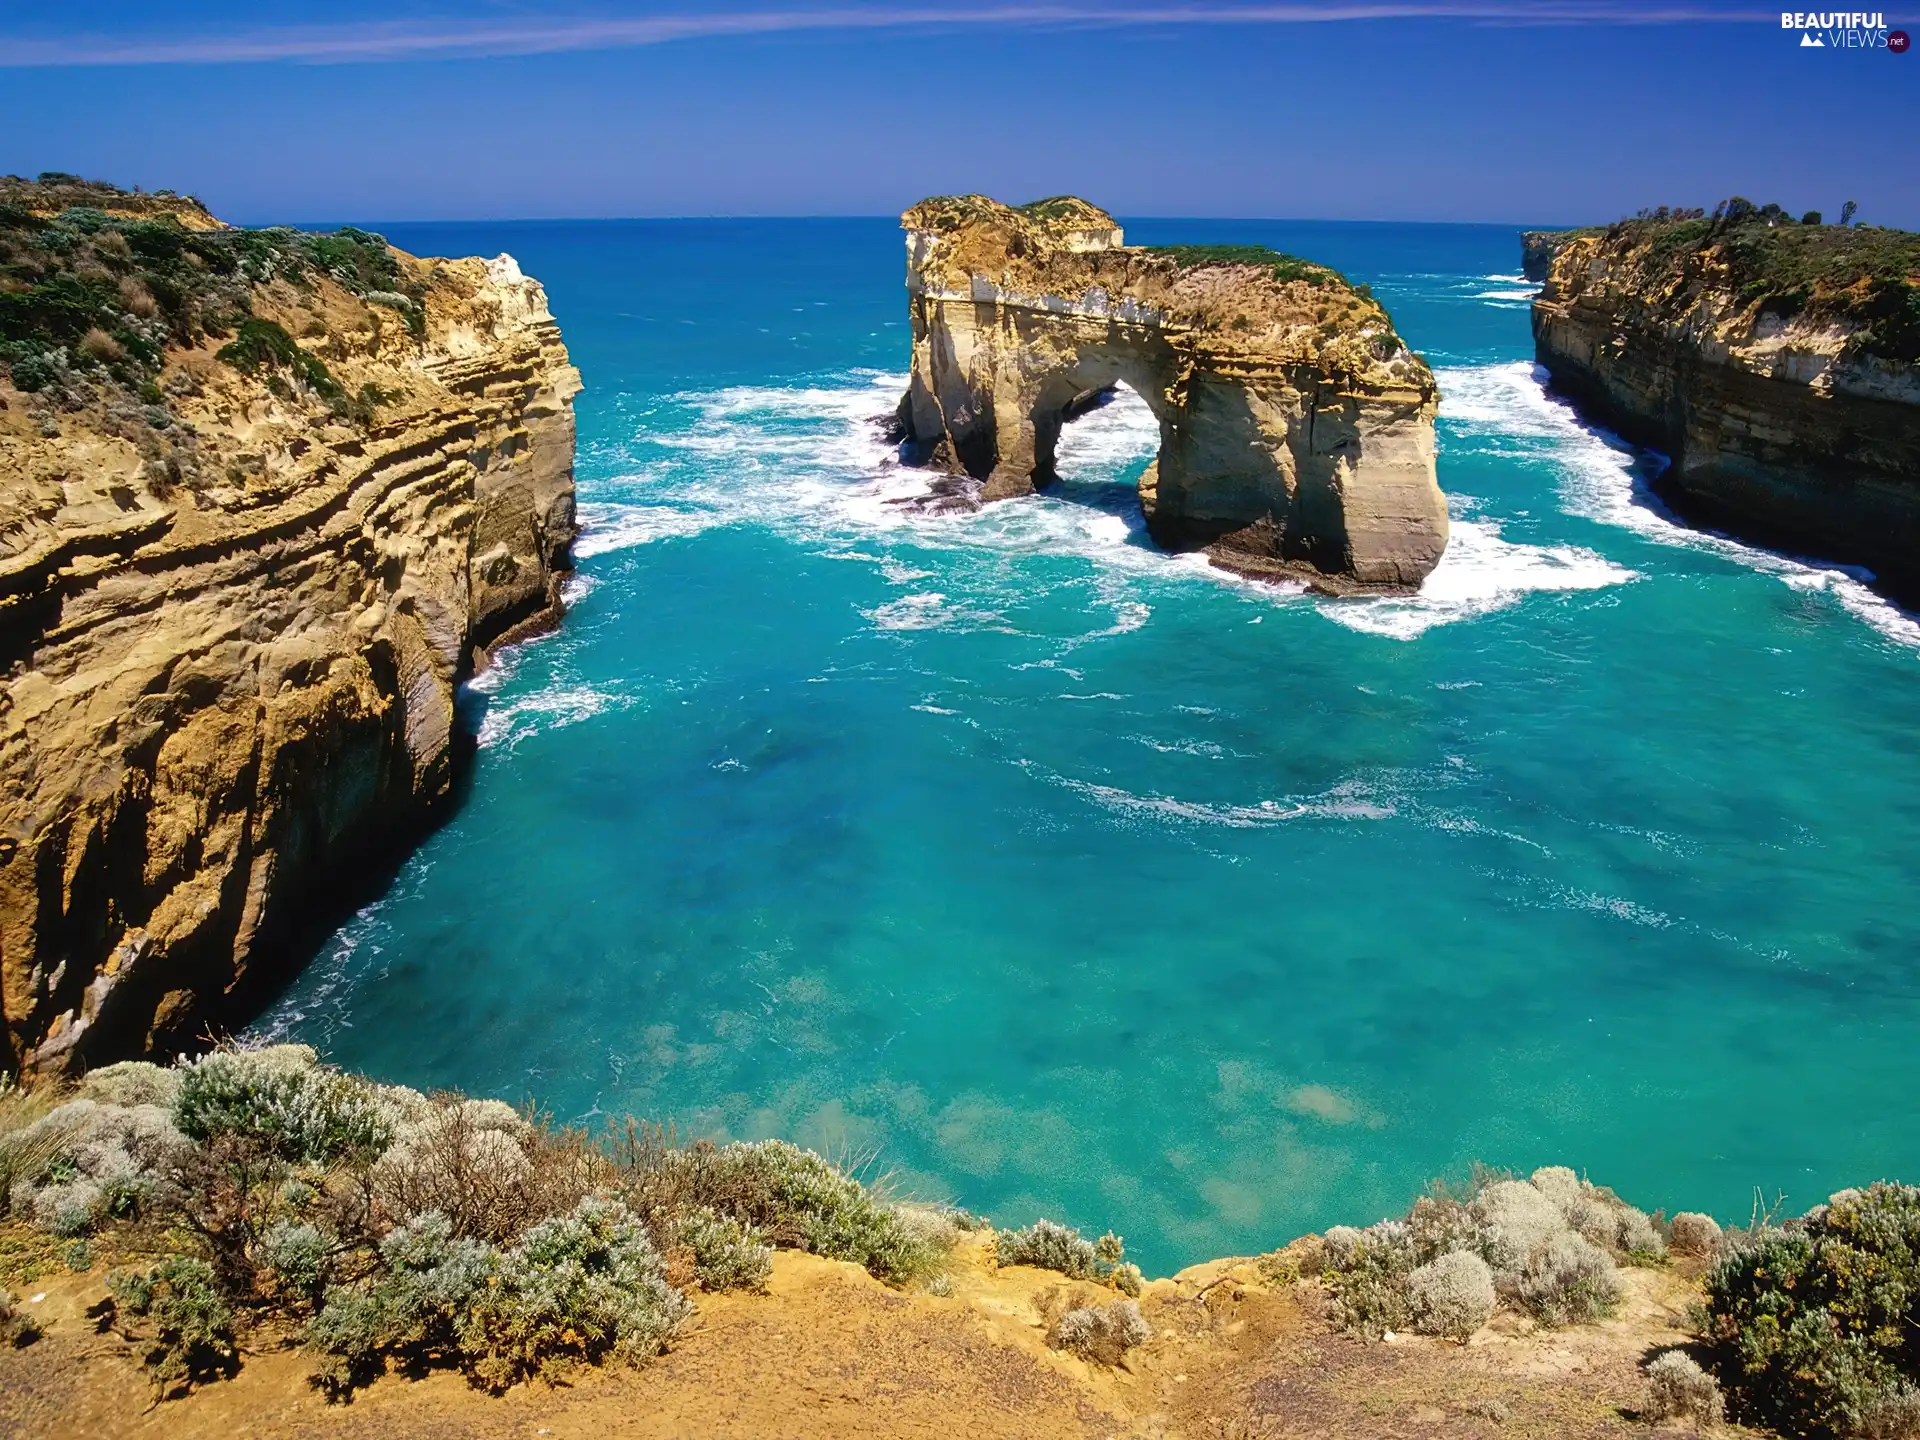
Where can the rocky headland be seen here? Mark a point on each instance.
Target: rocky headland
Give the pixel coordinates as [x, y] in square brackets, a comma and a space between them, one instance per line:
[1296, 427]
[1776, 363]
[265, 498]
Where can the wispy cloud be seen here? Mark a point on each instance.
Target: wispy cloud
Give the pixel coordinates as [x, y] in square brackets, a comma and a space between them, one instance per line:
[376, 41]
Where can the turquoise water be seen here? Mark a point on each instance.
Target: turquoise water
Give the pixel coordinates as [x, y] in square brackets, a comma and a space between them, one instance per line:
[1068, 877]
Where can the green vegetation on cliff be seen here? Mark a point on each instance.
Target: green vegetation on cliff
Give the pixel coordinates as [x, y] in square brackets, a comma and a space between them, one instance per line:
[97, 284]
[248, 1195]
[260, 1188]
[1284, 266]
[1866, 278]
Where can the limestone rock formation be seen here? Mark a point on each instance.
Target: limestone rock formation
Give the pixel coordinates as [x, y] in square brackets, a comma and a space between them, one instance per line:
[1778, 365]
[1296, 428]
[238, 585]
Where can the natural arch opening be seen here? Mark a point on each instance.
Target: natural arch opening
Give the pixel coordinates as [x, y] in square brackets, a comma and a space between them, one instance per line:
[1106, 441]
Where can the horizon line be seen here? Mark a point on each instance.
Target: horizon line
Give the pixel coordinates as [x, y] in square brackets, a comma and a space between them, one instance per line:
[317, 223]
[381, 42]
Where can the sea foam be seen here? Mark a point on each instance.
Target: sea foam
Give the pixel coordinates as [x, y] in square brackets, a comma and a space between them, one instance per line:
[808, 461]
[1602, 480]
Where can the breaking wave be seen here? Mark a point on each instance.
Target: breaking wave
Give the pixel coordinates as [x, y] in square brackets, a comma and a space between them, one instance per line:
[1603, 479]
[810, 462]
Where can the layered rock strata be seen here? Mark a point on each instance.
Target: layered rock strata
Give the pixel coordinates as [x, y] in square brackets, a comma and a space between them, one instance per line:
[234, 620]
[1774, 364]
[1296, 429]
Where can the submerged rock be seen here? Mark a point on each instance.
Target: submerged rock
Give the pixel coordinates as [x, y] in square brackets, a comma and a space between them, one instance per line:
[1296, 429]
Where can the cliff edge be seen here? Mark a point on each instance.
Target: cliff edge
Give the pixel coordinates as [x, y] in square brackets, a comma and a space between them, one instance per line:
[1296, 429]
[265, 497]
[1777, 364]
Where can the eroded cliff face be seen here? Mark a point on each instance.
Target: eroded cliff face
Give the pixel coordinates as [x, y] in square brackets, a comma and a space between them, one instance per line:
[234, 619]
[1296, 428]
[1781, 383]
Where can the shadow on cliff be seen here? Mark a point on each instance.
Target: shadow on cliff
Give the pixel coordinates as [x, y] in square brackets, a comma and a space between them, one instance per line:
[1650, 472]
[362, 874]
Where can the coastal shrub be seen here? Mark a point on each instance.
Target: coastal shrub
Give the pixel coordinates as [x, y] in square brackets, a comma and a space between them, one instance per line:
[1369, 1272]
[1281, 266]
[1694, 1234]
[728, 1254]
[186, 1325]
[1520, 1220]
[1678, 1389]
[281, 1099]
[1568, 1281]
[1049, 1246]
[412, 1312]
[1101, 1333]
[1814, 1322]
[91, 1163]
[468, 1160]
[414, 1232]
[792, 1196]
[17, 1328]
[1892, 1417]
[295, 1256]
[577, 1288]
[1527, 1239]
[265, 346]
[132, 1082]
[1452, 1296]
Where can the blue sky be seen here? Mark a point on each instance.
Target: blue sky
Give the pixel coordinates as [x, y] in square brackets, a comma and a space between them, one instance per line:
[1426, 110]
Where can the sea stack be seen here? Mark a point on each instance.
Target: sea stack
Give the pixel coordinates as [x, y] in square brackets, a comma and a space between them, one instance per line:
[1776, 363]
[267, 497]
[1296, 428]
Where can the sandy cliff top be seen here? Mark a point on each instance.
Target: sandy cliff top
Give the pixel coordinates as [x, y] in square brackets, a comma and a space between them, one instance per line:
[1244, 305]
[1821, 303]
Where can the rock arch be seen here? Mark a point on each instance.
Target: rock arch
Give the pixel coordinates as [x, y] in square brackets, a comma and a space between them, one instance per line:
[1296, 431]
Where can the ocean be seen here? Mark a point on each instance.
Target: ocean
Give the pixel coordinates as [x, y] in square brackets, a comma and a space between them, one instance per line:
[1048, 874]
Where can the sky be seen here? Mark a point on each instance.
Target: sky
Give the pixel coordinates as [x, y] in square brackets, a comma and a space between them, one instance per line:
[1446, 110]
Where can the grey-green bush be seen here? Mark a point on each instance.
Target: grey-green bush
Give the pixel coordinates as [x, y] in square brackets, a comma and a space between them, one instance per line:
[1678, 1389]
[187, 1325]
[1368, 1271]
[1892, 1417]
[728, 1254]
[1049, 1246]
[578, 1287]
[280, 1099]
[1568, 1281]
[412, 1311]
[295, 1255]
[799, 1200]
[1451, 1296]
[94, 1162]
[1101, 1333]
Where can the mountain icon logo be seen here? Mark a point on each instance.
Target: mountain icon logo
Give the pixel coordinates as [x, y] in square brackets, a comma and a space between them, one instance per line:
[1812, 42]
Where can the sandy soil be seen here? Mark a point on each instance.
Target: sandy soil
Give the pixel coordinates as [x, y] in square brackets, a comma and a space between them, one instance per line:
[830, 1352]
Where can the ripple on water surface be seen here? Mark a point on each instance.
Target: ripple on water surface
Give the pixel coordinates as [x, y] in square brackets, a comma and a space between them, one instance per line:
[1081, 879]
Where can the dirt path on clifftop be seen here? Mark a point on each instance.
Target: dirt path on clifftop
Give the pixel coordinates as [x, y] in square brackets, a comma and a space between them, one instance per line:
[829, 1352]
